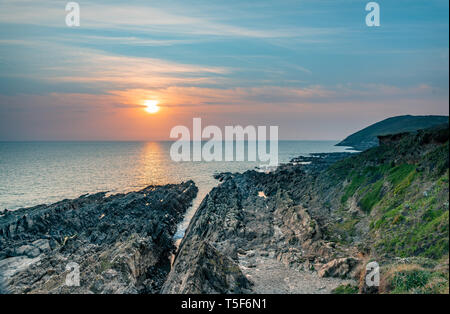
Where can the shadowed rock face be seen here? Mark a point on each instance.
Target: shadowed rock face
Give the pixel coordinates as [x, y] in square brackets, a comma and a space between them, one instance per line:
[122, 243]
[208, 271]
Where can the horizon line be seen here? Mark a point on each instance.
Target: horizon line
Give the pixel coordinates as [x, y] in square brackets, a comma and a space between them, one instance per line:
[144, 141]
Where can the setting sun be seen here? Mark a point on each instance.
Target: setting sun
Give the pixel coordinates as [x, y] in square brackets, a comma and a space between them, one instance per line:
[151, 106]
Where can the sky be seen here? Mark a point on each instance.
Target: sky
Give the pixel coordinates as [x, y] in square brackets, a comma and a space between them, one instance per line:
[312, 67]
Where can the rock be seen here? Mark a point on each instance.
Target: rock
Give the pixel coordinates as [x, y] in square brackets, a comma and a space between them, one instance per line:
[341, 267]
[120, 244]
[208, 271]
[28, 250]
[42, 244]
[12, 265]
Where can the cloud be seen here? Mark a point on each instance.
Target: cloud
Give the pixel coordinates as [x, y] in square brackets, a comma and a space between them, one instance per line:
[93, 66]
[286, 99]
[130, 40]
[61, 64]
[146, 17]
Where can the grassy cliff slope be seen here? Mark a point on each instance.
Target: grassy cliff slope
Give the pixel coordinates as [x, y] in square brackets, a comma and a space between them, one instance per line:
[394, 204]
[367, 137]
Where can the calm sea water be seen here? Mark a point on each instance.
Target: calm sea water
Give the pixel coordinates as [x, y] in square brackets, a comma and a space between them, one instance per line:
[33, 173]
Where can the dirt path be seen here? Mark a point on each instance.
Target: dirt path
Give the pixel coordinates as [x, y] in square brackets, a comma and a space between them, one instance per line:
[272, 276]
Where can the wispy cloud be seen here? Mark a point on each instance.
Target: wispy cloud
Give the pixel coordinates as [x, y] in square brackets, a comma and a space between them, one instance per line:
[89, 66]
[144, 18]
[283, 99]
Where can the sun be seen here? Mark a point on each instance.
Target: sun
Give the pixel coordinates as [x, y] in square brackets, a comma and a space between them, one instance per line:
[151, 106]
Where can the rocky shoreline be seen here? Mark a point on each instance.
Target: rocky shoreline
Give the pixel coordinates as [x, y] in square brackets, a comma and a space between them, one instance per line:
[122, 243]
[310, 226]
[241, 227]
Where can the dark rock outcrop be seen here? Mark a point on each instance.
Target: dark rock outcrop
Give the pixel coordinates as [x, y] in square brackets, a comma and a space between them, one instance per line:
[121, 243]
[208, 271]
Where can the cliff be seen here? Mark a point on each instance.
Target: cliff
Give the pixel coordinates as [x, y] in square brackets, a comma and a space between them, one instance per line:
[368, 137]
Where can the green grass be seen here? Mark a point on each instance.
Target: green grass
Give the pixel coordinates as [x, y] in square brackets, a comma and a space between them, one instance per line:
[346, 289]
[399, 173]
[344, 231]
[408, 281]
[409, 219]
[364, 180]
[356, 182]
[418, 280]
[422, 239]
[372, 197]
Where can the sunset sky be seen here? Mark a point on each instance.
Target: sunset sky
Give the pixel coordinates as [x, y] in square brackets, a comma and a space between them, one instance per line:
[311, 67]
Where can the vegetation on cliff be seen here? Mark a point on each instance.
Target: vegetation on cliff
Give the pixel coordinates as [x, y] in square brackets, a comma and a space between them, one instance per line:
[394, 205]
[368, 137]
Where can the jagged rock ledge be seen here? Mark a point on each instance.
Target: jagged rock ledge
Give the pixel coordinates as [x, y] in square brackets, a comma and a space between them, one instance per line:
[122, 243]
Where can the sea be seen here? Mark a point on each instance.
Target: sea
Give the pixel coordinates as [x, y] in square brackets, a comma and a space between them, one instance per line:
[34, 173]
